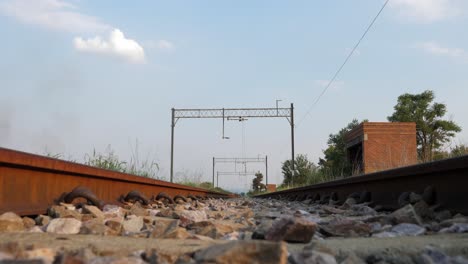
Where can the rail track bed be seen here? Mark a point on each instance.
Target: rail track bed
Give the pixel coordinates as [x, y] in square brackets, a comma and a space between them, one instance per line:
[419, 224]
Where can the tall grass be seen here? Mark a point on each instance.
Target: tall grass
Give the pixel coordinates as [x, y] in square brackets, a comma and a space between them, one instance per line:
[110, 161]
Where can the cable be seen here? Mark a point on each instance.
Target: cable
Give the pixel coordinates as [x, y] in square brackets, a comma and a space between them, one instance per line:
[342, 65]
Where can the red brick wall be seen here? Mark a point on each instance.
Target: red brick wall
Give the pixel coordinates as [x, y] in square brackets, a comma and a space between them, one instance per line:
[388, 145]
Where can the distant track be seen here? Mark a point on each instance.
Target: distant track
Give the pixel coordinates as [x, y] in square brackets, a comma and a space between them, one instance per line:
[445, 181]
[30, 183]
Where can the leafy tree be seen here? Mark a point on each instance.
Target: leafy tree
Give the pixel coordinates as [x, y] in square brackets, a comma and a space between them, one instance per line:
[303, 171]
[431, 130]
[335, 162]
[459, 150]
[257, 185]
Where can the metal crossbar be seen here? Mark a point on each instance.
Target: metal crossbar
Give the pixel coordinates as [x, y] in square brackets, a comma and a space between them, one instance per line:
[239, 114]
[232, 113]
[241, 161]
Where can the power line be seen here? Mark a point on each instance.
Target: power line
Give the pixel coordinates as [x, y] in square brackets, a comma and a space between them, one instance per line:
[343, 64]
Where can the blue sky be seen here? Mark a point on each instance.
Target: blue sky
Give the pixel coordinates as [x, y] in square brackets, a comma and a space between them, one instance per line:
[77, 75]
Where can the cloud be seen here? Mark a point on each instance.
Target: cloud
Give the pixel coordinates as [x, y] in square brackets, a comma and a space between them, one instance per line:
[63, 16]
[434, 48]
[52, 14]
[116, 45]
[426, 11]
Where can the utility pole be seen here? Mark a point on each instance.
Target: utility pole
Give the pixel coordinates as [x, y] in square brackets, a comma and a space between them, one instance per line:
[172, 144]
[292, 140]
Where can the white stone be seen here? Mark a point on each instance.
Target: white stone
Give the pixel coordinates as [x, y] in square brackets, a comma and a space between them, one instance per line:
[64, 226]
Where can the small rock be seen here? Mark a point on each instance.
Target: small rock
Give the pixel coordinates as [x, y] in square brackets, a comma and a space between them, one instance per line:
[6, 256]
[353, 259]
[61, 211]
[115, 224]
[422, 209]
[11, 222]
[178, 233]
[113, 211]
[454, 220]
[432, 255]
[64, 226]
[47, 255]
[455, 228]
[210, 229]
[291, 229]
[385, 234]
[153, 212]
[165, 212]
[406, 229]
[138, 210]
[244, 252]
[348, 203]
[333, 210]
[94, 211]
[42, 220]
[133, 224]
[414, 198]
[312, 257]
[35, 229]
[189, 217]
[406, 214]
[28, 222]
[346, 228]
[442, 215]
[163, 226]
[365, 210]
[262, 229]
[94, 226]
[87, 217]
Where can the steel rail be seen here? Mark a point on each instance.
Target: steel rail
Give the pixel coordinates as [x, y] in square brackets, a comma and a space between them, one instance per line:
[448, 178]
[30, 183]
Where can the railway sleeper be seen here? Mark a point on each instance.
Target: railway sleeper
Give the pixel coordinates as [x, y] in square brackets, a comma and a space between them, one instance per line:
[134, 196]
[164, 196]
[81, 192]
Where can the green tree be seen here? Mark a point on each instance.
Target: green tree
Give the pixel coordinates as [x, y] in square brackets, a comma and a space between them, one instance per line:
[459, 150]
[257, 185]
[431, 130]
[335, 162]
[303, 171]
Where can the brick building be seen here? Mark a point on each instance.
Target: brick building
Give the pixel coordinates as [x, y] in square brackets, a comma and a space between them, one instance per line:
[376, 146]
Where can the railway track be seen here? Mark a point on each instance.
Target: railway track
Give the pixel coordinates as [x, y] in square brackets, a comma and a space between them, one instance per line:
[29, 184]
[441, 183]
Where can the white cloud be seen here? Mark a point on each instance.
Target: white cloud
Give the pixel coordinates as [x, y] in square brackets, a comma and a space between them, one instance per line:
[426, 11]
[436, 49]
[116, 45]
[52, 14]
[62, 16]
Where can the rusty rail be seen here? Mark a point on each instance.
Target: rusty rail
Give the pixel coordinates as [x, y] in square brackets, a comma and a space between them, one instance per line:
[448, 179]
[30, 183]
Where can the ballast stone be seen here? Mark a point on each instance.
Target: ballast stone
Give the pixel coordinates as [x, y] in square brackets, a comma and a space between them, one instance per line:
[11, 222]
[64, 226]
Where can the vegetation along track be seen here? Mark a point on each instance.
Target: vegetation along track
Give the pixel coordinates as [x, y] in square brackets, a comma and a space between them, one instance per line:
[30, 183]
[441, 183]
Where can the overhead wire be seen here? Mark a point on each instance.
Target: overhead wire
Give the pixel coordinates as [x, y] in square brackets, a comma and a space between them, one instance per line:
[340, 68]
[343, 64]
